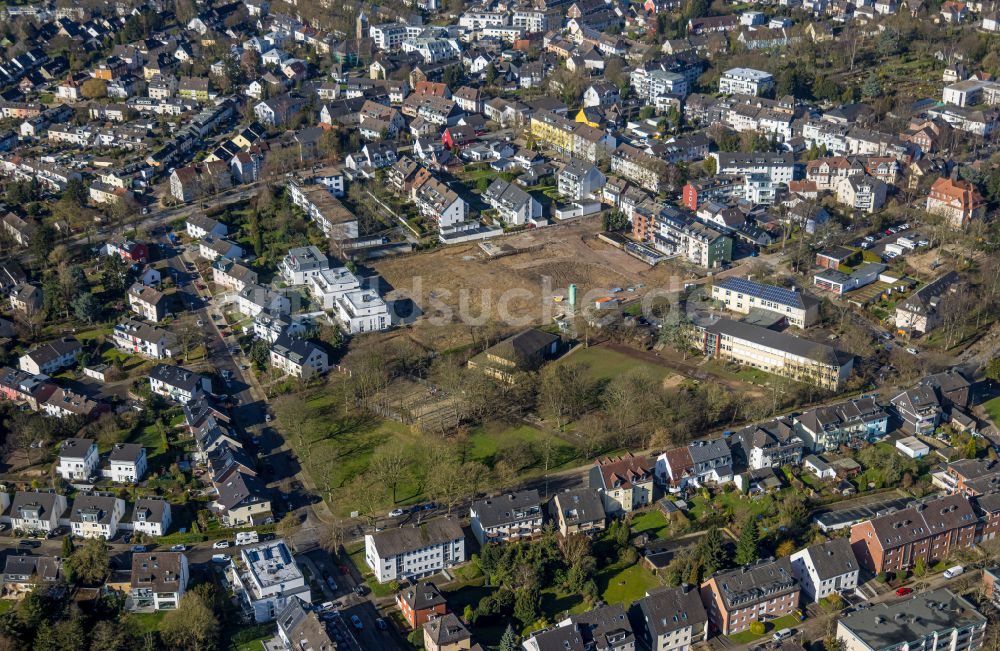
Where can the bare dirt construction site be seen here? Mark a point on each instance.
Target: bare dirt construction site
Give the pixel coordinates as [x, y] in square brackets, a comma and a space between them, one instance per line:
[454, 284]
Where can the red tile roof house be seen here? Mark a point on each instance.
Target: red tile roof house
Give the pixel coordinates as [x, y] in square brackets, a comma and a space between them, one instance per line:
[625, 483]
[458, 137]
[134, 252]
[421, 603]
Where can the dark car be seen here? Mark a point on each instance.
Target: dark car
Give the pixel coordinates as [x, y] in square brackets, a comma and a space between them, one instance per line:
[33, 544]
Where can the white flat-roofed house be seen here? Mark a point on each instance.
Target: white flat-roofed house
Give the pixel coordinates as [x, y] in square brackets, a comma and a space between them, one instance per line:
[78, 459]
[96, 516]
[412, 552]
[151, 516]
[745, 81]
[330, 284]
[159, 580]
[138, 338]
[50, 357]
[36, 511]
[298, 357]
[363, 311]
[266, 579]
[200, 226]
[178, 383]
[826, 569]
[302, 263]
[128, 463]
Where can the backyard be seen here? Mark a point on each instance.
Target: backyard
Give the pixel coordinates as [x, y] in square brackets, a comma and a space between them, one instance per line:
[992, 408]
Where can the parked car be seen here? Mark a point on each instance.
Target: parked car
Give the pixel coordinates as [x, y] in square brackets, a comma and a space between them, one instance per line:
[912, 351]
[783, 634]
[330, 582]
[952, 572]
[220, 558]
[381, 625]
[357, 622]
[902, 592]
[359, 589]
[33, 544]
[138, 549]
[395, 513]
[178, 548]
[220, 544]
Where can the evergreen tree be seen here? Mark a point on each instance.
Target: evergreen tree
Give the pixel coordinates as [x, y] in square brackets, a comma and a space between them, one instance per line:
[871, 88]
[509, 640]
[748, 546]
[712, 552]
[526, 604]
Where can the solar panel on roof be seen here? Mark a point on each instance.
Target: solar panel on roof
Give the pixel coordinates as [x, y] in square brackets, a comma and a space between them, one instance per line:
[759, 290]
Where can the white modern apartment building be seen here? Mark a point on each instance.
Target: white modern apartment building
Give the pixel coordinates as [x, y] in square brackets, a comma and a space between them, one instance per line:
[266, 579]
[330, 284]
[413, 552]
[363, 311]
[302, 263]
[77, 459]
[745, 81]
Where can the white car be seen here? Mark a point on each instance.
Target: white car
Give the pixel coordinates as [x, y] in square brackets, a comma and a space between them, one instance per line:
[782, 634]
[178, 548]
[220, 544]
[220, 558]
[912, 351]
[395, 513]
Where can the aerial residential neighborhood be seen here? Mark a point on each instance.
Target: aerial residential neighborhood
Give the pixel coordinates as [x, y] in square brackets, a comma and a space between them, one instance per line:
[543, 325]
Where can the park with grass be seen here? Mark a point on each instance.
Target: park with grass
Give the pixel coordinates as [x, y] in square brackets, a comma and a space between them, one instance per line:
[338, 449]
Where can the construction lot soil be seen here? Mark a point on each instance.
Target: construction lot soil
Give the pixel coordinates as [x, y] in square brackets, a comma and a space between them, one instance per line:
[455, 285]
